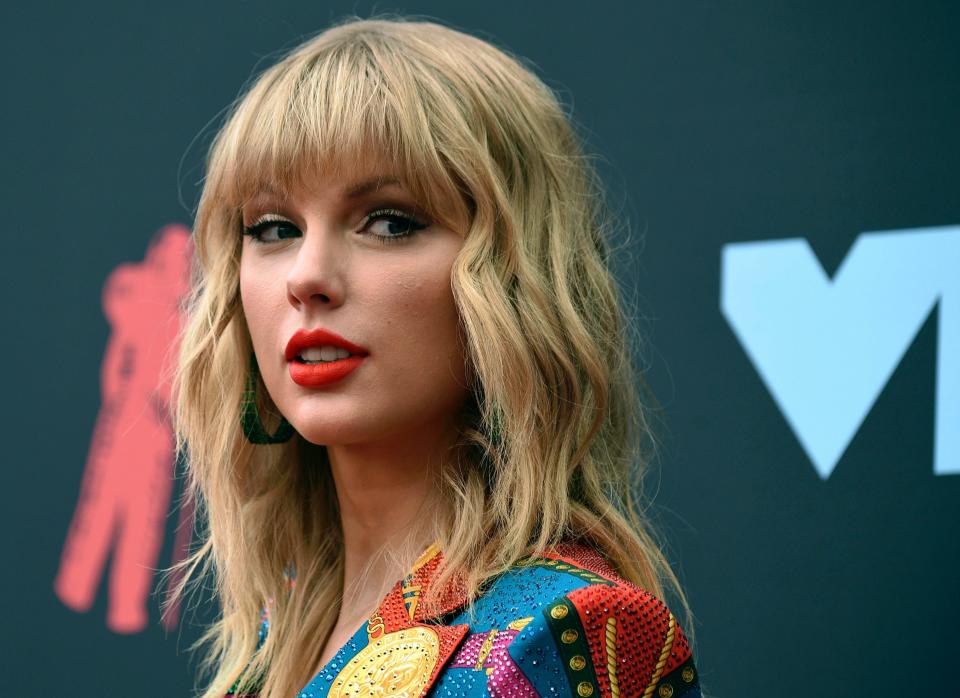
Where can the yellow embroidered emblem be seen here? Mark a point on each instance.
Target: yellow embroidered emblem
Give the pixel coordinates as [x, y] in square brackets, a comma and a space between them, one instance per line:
[397, 664]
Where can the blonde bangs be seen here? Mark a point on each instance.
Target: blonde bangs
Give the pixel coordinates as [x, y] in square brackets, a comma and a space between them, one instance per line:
[339, 112]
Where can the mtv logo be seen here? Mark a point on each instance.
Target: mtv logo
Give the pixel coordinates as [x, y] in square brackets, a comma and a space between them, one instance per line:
[825, 348]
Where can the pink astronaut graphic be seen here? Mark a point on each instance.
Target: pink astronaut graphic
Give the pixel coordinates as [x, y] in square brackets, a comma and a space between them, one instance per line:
[128, 479]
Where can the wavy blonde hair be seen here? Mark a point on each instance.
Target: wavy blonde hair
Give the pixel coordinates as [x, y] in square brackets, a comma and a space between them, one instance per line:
[557, 431]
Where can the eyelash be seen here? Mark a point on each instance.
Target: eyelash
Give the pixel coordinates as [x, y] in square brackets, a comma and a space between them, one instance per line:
[412, 226]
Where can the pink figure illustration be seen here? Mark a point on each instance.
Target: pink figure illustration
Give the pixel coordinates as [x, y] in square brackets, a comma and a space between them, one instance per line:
[128, 479]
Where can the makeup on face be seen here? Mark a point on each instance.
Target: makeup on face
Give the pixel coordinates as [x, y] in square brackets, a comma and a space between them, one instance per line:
[350, 306]
[319, 357]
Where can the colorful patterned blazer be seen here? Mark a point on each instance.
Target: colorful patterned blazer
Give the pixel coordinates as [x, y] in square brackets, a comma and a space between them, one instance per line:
[559, 624]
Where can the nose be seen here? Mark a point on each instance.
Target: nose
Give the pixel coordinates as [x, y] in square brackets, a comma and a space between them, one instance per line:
[316, 276]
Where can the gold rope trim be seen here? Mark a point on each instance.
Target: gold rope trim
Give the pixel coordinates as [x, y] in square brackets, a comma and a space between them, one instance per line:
[425, 557]
[664, 655]
[612, 656]
[485, 649]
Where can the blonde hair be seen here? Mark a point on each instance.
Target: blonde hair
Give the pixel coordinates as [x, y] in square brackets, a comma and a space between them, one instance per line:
[556, 432]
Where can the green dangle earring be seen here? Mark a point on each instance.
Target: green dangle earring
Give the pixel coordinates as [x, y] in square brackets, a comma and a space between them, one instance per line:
[252, 426]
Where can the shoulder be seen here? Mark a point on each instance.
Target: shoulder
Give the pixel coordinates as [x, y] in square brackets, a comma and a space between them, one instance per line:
[627, 636]
[611, 637]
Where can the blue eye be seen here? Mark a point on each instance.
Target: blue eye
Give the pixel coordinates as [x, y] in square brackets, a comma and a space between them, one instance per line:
[285, 230]
[398, 224]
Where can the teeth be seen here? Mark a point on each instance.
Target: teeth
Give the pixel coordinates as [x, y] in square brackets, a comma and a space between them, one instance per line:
[324, 353]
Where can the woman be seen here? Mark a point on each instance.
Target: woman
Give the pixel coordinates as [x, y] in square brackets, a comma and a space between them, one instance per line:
[405, 388]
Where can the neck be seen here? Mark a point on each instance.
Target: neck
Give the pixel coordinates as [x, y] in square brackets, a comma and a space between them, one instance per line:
[389, 511]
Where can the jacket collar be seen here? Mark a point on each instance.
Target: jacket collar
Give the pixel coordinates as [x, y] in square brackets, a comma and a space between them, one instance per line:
[402, 619]
[401, 608]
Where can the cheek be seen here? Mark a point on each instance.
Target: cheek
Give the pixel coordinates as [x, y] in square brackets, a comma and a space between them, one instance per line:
[419, 331]
[258, 296]
[249, 296]
[423, 314]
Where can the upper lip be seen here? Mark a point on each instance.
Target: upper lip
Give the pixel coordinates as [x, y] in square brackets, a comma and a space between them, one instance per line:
[319, 337]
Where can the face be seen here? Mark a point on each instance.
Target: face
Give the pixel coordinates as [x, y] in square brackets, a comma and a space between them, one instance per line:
[360, 259]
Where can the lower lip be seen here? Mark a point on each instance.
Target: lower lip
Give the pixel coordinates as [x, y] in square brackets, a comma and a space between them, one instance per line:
[320, 374]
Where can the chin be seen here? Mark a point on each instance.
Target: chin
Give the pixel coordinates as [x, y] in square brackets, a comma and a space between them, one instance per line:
[336, 433]
[324, 435]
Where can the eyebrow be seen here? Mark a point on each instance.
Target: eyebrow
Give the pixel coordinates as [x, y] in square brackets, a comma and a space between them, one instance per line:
[355, 191]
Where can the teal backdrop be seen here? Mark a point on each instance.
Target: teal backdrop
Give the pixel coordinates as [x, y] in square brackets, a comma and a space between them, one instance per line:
[788, 173]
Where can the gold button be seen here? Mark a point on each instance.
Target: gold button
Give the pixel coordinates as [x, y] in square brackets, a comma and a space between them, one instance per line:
[569, 636]
[687, 674]
[665, 691]
[585, 688]
[577, 662]
[559, 611]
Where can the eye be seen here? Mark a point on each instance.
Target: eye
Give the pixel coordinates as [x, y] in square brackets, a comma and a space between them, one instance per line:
[261, 231]
[392, 225]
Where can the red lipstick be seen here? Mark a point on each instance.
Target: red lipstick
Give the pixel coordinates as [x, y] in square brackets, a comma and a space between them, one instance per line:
[315, 375]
